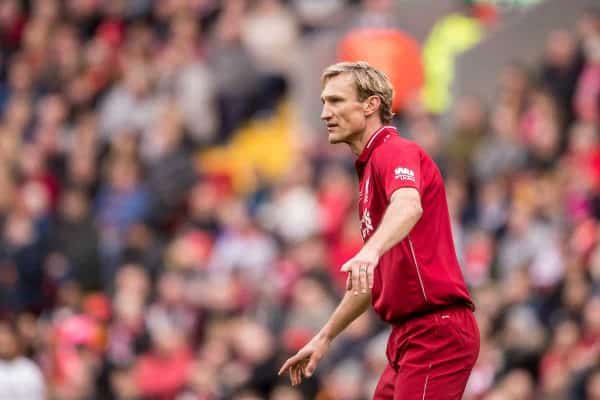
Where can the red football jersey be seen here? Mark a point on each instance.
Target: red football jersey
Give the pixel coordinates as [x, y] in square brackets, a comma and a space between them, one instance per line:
[421, 273]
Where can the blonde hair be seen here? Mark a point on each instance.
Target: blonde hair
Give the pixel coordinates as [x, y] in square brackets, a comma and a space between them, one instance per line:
[369, 82]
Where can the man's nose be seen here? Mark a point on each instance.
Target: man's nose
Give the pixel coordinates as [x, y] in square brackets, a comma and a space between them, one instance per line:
[325, 113]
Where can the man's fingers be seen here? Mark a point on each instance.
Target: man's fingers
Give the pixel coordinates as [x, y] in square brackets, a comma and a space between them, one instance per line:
[285, 366]
[297, 367]
[355, 278]
[298, 374]
[303, 369]
[371, 276]
[312, 364]
[294, 371]
[347, 267]
[363, 278]
[290, 362]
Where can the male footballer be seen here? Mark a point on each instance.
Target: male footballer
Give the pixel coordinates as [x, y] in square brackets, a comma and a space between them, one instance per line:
[407, 268]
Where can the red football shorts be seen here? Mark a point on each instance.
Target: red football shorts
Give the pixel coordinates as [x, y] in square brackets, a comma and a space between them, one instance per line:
[430, 357]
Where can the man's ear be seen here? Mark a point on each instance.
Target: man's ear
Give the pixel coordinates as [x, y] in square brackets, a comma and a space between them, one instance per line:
[371, 105]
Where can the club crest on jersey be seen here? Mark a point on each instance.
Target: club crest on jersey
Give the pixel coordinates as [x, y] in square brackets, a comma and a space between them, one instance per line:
[404, 174]
[366, 225]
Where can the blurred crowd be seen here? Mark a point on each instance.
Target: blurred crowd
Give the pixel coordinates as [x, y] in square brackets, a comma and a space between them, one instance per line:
[131, 270]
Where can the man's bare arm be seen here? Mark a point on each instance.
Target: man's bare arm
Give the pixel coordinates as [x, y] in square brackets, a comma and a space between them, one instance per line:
[403, 212]
[401, 215]
[304, 362]
[350, 308]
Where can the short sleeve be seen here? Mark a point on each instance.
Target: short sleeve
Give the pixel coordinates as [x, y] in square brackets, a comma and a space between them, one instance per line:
[398, 165]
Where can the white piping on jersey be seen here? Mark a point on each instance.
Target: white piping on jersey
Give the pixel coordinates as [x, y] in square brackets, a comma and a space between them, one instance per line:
[425, 387]
[377, 132]
[366, 195]
[412, 251]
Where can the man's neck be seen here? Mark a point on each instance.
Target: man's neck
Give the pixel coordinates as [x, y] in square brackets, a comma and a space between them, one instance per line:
[358, 146]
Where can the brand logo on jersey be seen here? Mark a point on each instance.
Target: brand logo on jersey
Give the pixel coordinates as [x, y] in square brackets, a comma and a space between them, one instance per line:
[366, 225]
[404, 174]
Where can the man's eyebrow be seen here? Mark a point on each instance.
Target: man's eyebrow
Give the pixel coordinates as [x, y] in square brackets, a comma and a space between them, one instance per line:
[331, 97]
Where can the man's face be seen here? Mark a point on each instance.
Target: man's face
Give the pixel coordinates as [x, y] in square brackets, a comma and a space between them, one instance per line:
[343, 113]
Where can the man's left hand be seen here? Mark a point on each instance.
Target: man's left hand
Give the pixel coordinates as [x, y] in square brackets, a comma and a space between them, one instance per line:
[360, 270]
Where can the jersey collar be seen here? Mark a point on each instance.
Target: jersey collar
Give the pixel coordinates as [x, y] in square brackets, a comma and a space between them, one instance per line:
[374, 141]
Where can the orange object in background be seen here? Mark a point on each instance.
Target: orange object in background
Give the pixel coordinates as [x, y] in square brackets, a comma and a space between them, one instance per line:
[392, 51]
[486, 13]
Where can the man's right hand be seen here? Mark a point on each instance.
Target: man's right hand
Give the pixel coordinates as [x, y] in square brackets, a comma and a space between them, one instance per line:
[305, 361]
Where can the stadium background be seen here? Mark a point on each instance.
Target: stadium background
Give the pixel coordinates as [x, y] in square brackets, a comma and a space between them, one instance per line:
[172, 220]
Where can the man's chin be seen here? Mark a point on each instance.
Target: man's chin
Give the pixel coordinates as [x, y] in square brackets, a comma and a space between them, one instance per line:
[334, 139]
